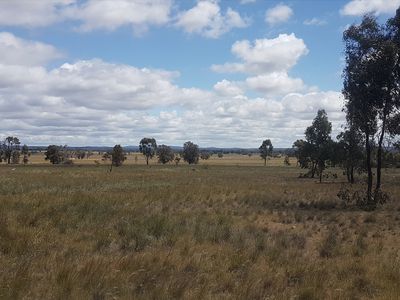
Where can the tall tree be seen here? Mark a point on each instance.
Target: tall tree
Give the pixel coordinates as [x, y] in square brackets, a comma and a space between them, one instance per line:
[190, 153]
[359, 89]
[372, 85]
[266, 150]
[148, 148]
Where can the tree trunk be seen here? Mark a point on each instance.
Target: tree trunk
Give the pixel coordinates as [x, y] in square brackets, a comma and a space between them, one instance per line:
[313, 169]
[369, 169]
[265, 162]
[379, 155]
[348, 174]
[352, 175]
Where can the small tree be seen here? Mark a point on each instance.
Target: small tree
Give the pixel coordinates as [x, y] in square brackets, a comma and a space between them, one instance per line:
[286, 161]
[55, 154]
[148, 147]
[205, 155]
[320, 142]
[165, 154]
[25, 153]
[177, 159]
[190, 153]
[265, 150]
[220, 155]
[117, 156]
[10, 145]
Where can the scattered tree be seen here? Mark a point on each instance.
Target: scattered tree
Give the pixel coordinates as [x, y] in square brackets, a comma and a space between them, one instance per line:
[148, 148]
[10, 146]
[205, 155]
[25, 153]
[55, 154]
[165, 154]
[266, 150]
[190, 153]
[117, 156]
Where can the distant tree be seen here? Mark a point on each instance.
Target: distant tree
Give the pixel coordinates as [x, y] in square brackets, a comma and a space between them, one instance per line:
[55, 154]
[302, 151]
[190, 153]
[15, 157]
[10, 145]
[266, 150]
[349, 152]
[25, 153]
[117, 156]
[220, 155]
[148, 148]
[205, 155]
[106, 156]
[286, 160]
[165, 154]
[177, 159]
[319, 141]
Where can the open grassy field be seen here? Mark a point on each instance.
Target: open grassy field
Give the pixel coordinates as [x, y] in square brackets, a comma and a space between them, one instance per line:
[215, 231]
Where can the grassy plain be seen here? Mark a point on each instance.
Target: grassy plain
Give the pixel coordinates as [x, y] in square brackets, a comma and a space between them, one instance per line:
[232, 230]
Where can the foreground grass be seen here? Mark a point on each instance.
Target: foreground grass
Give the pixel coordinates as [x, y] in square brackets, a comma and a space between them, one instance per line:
[182, 232]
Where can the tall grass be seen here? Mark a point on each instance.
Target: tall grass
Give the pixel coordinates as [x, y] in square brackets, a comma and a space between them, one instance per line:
[170, 232]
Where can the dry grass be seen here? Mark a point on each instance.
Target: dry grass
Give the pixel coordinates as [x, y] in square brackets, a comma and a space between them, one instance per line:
[209, 231]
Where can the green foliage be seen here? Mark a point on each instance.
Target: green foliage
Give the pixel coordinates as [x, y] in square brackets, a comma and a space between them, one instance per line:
[117, 156]
[266, 150]
[165, 154]
[190, 153]
[56, 154]
[148, 147]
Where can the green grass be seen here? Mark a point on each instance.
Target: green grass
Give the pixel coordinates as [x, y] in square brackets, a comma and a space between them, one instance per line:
[209, 231]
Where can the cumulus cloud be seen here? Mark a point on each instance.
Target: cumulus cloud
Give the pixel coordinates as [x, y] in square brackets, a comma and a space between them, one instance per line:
[270, 61]
[228, 88]
[276, 83]
[280, 13]
[94, 102]
[378, 7]
[111, 14]
[207, 19]
[16, 51]
[265, 55]
[32, 13]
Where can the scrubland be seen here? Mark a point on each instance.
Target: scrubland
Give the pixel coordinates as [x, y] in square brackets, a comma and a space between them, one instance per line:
[211, 231]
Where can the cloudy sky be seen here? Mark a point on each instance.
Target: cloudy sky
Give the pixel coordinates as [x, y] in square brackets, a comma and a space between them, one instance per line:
[220, 73]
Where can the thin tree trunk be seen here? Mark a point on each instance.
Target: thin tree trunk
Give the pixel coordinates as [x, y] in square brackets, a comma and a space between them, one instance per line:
[147, 160]
[379, 155]
[265, 162]
[369, 169]
[348, 174]
[352, 175]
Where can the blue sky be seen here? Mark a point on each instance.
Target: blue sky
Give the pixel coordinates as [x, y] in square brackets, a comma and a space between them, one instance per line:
[220, 73]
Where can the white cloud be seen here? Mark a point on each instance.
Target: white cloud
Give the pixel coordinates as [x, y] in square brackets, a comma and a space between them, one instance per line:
[279, 14]
[361, 7]
[32, 13]
[94, 102]
[270, 60]
[16, 51]
[265, 55]
[247, 1]
[228, 88]
[276, 83]
[315, 22]
[206, 19]
[112, 14]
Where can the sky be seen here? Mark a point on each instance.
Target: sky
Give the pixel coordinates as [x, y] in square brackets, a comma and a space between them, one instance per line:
[226, 73]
